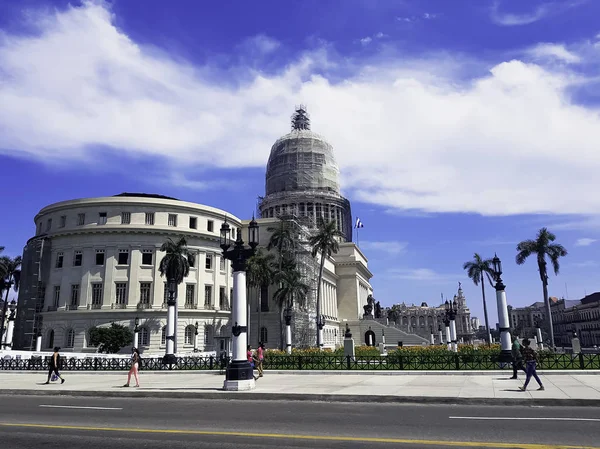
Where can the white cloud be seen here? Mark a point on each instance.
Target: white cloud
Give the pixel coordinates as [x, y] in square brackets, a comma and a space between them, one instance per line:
[410, 133]
[404, 19]
[540, 12]
[380, 35]
[390, 247]
[586, 264]
[366, 40]
[261, 43]
[585, 242]
[419, 274]
[429, 16]
[554, 51]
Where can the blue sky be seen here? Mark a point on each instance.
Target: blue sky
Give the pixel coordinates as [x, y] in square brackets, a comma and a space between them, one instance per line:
[459, 126]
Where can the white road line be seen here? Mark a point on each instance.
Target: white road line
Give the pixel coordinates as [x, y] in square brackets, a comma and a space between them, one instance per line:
[510, 418]
[82, 407]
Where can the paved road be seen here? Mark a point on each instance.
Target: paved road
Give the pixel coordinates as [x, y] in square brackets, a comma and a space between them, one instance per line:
[90, 423]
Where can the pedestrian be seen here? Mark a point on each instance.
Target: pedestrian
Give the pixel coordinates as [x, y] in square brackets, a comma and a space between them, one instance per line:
[530, 357]
[517, 362]
[260, 352]
[135, 365]
[54, 365]
[251, 359]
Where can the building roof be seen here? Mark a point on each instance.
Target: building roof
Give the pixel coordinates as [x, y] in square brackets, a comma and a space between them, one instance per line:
[593, 297]
[147, 195]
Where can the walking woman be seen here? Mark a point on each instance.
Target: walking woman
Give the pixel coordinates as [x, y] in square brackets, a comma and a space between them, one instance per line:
[54, 366]
[135, 366]
[530, 357]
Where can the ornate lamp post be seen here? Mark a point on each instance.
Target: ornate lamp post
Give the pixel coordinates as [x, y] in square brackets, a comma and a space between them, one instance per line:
[239, 375]
[320, 326]
[169, 357]
[136, 333]
[196, 337]
[288, 330]
[451, 311]
[432, 337]
[538, 333]
[447, 326]
[440, 335]
[11, 325]
[505, 354]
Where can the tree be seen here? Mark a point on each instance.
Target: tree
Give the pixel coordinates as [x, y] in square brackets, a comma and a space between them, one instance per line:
[259, 273]
[111, 340]
[282, 240]
[541, 247]
[325, 243]
[10, 275]
[175, 265]
[291, 290]
[477, 269]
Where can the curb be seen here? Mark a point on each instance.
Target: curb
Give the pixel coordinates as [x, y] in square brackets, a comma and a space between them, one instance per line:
[244, 396]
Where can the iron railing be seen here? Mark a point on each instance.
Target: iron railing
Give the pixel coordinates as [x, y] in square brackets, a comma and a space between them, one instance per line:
[400, 362]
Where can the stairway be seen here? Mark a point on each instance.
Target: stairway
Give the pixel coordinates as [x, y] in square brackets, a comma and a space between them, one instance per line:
[393, 335]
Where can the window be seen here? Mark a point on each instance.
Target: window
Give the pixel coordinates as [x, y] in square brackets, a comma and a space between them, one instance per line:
[63, 221]
[222, 298]
[163, 336]
[208, 263]
[208, 336]
[78, 259]
[264, 298]
[99, 257]
[222, 263]
[70, 338]
[48, 224]
[189, 295]
[96, 296]
[125, 217]
[191, 260]
[123, 257]
[149, 218]
[80, 219]
[146, 257]
[59, 260]
[263, 334]
[75, 295]
[193, 223]
[50, 339]
[121, 292]
[207, 295]
[144, 337]
[210, 225]
[190, 332]
[145, 292]
[172, 220]
[56, 296]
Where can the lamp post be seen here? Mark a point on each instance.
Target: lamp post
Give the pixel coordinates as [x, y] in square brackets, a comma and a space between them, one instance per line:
[447, 326]
[196, 337]
[38, 341]
[11, 326]
[136, 333]
[432, 337]
[239, 374]
[538, 333]
[505, 354]
[451, 311]
[320, 326]
[169, 357]
[440, 335]
[288, 330]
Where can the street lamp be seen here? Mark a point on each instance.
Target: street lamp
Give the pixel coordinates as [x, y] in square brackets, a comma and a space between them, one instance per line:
[169, 357]
[11, 325]
[505, 354]
[239, 374]
[538, 333]
[320, 326]
[432, 336]
[451, 311]
[440, 335]
[196, 337]
[288, 330]
[447, 326]
[136, 333]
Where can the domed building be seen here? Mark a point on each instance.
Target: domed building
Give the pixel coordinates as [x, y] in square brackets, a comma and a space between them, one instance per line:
[302, 179]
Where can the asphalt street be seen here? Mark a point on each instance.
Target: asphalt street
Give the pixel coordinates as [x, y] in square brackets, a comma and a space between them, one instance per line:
[71, 422]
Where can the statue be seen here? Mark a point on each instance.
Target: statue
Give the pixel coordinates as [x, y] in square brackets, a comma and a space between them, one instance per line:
[377, 310]
[369, 307]
[348, 334]
[460, 285]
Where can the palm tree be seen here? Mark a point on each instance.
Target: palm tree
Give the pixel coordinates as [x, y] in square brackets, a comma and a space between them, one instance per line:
[324, 242]
[281, 239]
[541, 247]
[259, 273]
[10, 275]
[291, 290]
[477, 269]
[175, 265]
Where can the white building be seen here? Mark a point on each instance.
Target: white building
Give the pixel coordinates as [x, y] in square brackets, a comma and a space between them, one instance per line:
[96, 262]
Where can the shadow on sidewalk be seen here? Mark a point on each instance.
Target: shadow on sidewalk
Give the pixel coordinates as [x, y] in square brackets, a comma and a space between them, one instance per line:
[177, 389]
[514, 390]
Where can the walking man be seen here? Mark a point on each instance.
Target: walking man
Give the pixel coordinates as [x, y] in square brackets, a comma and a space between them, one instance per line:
[54, 366]
[530, 357]
[517, 357]
[260, 352]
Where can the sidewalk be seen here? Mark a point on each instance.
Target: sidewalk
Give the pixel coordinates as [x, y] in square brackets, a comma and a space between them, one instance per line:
[566, 389]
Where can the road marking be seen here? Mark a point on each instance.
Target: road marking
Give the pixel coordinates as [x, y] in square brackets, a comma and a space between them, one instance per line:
[81, 407]
[514, 418]
[304, 437]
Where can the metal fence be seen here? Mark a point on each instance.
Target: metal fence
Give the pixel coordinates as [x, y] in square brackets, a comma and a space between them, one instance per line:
[401, 362]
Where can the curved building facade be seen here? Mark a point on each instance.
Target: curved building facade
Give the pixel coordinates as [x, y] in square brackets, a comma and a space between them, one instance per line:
[95, 261]
[302, 179]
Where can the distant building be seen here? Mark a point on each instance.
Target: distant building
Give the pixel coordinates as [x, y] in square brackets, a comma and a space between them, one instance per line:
[582, 317]
[475, 323]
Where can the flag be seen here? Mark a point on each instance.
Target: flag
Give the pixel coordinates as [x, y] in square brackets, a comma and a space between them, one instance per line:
[358, 223]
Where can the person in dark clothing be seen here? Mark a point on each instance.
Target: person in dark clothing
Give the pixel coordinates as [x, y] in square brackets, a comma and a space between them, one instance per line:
[530, 357]
[517, 357]
[54, 366]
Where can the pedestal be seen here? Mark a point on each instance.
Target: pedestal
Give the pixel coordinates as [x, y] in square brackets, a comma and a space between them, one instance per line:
[349, 347]
[539, 339]
[38, 343]
[288, 338]
[576, 344]
[505, 340]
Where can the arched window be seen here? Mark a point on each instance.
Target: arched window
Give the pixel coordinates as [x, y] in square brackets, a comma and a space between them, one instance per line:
[70, 338]
[413, 321]
[263, 334]
[50, 338]
[190, 331]
[405, 320]
[208, 337]
[144, 336]
[163, 336]
[421, 321]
